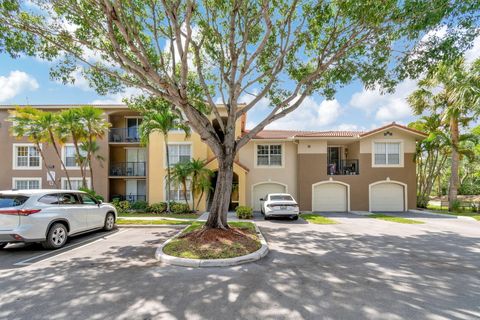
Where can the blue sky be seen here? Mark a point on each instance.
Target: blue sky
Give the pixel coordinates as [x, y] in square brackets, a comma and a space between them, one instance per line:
[26, 81]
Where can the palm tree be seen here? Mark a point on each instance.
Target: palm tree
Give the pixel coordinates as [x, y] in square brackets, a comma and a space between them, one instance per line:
[71, 126]
[181, 175]
[451, 89]
[26, 122]
[158, 116]
[91, 148]
[200, 179]
[96, 126]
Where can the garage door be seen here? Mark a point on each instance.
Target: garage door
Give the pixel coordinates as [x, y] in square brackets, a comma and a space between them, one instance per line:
[261, 190]
[387, 197]
[330, 197]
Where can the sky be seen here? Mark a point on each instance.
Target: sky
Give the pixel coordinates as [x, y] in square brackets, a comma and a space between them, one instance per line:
[26, 81]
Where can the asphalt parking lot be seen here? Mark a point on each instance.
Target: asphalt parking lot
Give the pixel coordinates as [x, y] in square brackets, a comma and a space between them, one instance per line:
[361, 268]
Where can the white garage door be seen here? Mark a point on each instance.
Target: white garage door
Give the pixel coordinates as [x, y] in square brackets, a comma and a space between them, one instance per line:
[387, 197]
[261, 190]
[330, 197]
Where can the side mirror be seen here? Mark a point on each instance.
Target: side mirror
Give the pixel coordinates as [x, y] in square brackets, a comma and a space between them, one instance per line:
[261, 199]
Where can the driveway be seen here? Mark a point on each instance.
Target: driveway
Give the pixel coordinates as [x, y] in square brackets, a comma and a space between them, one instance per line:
[361, 268]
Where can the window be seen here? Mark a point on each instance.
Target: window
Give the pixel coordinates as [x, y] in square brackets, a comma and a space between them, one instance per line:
[86, 199]
[179, 153]
[68, 198]
[26, 156]
[76, 183]
[387, 153]
[176, 192]
[69, 156]
[49, 199]
[132, 128]
[11, 201]
[269, 155]
[27, 183]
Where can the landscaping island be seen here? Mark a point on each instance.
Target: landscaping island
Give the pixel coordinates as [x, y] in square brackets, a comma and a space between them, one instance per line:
[198, 247]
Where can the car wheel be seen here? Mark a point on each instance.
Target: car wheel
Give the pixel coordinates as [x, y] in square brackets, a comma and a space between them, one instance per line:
[3, 245]
[266, 217]
[109, 222]
[56, 236]
[295, 218]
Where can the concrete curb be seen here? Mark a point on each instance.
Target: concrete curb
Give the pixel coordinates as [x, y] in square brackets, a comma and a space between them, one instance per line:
[206, 263]
[156, 218]
[430, 213]
[151, 225]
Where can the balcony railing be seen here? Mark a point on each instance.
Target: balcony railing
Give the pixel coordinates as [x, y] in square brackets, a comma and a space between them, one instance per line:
[127, 169]
[129, 197]
[344, 168]
[124, 135]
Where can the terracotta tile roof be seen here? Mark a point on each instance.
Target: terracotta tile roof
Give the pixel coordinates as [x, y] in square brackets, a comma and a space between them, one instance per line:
[393, 124]
[331, 134]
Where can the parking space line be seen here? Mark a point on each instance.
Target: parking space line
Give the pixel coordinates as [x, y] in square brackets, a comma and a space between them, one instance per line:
[77, 245]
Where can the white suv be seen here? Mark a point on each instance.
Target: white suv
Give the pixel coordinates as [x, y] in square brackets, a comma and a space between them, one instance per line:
[51, 216]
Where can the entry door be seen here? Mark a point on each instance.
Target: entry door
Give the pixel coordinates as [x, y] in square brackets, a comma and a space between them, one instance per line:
[333, 157]
[132, 128]
[136, 162]
[136, 190]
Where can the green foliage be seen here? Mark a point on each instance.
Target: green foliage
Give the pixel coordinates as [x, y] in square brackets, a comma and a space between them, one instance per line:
[159, 207]
[92, 193]
[244, 212]
[179, 207]
[121, 206]
[456, 205]
[139, 205]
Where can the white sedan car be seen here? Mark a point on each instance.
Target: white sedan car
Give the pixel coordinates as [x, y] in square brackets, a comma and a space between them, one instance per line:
[51, 216]
[279, 205]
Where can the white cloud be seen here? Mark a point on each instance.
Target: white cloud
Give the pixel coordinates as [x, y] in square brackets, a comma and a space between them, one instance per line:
[311, 115]
[117, 98]
[474, 52]
[387, 107]
[15, 83]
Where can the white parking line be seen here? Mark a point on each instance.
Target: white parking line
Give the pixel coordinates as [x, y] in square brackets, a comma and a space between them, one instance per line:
[53, 253]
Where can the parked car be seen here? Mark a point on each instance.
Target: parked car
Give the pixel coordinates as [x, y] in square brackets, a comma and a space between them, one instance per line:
[51, 216]
[279, 205]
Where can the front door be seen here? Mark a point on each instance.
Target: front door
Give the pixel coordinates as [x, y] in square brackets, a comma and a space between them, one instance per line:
[135, 162]
[333, 158]
[136, 190]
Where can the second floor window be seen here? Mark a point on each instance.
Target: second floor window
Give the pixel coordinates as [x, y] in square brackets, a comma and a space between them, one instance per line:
[70, 157]
[179, 153]
[269, 155]
[387, 153]
[27, 157]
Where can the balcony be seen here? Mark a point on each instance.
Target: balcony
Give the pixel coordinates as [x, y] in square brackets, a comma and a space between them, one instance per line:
[347, 167]
[128, 169]
[124, 135]
[129, 197]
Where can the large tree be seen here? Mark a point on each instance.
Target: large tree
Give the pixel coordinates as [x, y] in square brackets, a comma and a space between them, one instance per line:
[452, 90]
[194, 53]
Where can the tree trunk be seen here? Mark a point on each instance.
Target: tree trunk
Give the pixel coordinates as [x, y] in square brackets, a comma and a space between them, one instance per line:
[217, 217]
[42, 155]
[80, 164]
[165, 139]
[89, 160]
[453, 188]
[62, 163]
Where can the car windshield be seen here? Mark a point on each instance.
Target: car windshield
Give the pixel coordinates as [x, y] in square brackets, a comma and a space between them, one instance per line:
[7, 201]
[281, 198]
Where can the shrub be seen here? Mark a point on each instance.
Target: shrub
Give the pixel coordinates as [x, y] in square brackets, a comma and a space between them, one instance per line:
[456, 205]
[157, 207]
[121, 206]
[92, 193]
[140, 205]
[244, 212]
[179, 208]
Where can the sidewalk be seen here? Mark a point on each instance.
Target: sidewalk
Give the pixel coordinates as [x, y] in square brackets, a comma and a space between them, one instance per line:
[231, 216]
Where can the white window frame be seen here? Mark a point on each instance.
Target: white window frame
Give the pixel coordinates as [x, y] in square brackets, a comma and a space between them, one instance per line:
[64, 154]
[176, 143]
[401, 154]
[14, 157]
[165, 191]
[255, 152]
[64, 180]
[15, 179]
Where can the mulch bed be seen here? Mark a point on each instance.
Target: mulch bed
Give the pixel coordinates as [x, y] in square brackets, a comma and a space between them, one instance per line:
[214, 243]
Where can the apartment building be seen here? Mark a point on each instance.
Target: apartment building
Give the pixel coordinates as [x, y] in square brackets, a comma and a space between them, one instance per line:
[323, 170]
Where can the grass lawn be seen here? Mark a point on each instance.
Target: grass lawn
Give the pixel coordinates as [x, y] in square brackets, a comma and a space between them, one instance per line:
[195, 243]
[161, 215]
[317, 219]
[466, 213]
[121, 221]
[394, 219]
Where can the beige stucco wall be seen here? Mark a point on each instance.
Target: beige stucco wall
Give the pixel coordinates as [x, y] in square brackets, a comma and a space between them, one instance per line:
[409, 143]
[286, 175]
[312, 146]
